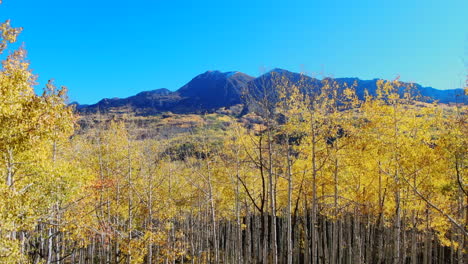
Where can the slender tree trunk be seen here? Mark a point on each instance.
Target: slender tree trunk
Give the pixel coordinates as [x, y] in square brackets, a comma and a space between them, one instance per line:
[335, 241]
[397, 234]
[248, 236]
[265, 237]
[314, 199]
[414, 254]
[306, 233]
[289, 210]
[213, 223]
[130, 204]
[10, 167]
[271, 181]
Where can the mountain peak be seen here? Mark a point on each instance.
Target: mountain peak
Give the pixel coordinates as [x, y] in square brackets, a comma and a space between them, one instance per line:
[279, 70]
[214, 89]
[218, 74]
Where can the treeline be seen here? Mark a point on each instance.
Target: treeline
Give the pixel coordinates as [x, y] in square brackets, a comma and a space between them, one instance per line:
[314, 177]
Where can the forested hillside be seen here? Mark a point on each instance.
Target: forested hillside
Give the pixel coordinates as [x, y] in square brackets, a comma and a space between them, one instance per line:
[306, 176]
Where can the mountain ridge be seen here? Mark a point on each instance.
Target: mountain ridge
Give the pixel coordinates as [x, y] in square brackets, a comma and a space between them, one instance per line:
[212, 90]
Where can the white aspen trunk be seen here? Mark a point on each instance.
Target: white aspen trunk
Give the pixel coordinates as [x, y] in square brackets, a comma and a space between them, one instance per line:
[150, 216]
[10, 164]
[213, 222]
[129, 225]
[397, 234]
[271, 179]
[50, 246]
[248, 237]
[289, 210]
[306, 233]
[314, 202]
[335, 242]
[238, 248]
[213, 216]
[350, 242]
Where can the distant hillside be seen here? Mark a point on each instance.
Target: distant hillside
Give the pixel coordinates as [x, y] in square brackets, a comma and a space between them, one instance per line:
[265, 82]
[212, 90]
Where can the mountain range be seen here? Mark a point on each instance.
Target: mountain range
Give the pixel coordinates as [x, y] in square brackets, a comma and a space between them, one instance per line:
[212, 90]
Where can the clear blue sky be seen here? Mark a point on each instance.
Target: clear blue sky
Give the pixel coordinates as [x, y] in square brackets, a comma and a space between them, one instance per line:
[104, 48]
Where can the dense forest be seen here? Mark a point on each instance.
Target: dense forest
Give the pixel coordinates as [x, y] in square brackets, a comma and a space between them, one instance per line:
[307, 176]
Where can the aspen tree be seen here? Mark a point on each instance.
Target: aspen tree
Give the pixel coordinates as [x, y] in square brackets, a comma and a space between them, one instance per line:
[29, 123]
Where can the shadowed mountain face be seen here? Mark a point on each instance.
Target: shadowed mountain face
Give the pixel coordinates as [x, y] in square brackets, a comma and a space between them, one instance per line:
[212, 90]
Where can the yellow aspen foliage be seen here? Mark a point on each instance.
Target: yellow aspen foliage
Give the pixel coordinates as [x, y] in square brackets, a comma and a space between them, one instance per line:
[29, 126]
